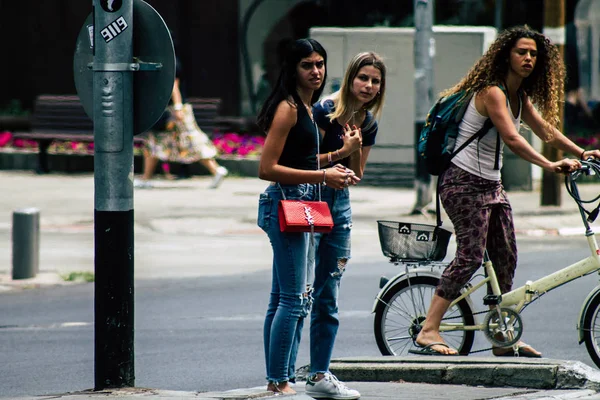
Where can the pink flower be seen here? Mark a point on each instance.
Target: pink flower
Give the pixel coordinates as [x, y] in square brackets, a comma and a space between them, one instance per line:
[234, 137]
[231, 143]
[227, 149]
[243, 151]
[5, 138]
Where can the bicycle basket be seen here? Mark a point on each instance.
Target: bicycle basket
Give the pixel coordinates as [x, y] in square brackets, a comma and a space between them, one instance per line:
[413, 242]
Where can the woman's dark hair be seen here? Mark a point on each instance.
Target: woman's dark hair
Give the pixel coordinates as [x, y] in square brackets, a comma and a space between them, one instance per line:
[286, 85]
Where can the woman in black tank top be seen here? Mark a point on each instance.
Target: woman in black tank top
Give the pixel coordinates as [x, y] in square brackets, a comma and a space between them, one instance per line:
[289, 161]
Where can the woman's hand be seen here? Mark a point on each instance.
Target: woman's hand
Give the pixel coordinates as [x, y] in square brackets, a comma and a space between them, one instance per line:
[590, 153]
[352, 139]
[339, 177]
[178, 114]
[565, 166]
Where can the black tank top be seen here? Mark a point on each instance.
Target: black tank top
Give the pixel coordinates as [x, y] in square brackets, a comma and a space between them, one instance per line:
[300, 149]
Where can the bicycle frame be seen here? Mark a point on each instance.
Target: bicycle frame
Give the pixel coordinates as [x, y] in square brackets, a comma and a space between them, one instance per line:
[401, 310]
[523, 295]
[518, 298]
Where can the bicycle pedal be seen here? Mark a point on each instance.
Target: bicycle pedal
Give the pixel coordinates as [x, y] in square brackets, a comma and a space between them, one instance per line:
[492, 299]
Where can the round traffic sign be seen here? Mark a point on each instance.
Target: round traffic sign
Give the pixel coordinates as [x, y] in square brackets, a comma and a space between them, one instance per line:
[152, 43]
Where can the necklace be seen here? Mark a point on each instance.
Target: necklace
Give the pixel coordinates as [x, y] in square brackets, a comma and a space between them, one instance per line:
[308, 109]
[354, 117]
[352, 120]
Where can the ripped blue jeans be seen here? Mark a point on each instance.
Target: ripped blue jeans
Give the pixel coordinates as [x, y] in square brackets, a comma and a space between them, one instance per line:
[289, 301]
[330, 259]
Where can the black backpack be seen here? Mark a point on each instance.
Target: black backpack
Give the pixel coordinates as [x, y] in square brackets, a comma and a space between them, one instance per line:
[438, 136]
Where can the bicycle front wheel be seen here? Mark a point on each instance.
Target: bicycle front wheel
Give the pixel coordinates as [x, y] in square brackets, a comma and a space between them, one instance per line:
[402, 309]
[591, 329]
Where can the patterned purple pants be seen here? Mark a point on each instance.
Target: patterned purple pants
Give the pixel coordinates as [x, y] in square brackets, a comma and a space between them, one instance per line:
[482, 217]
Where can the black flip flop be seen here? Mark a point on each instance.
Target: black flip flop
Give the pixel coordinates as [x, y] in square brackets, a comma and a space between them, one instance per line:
[428, 351]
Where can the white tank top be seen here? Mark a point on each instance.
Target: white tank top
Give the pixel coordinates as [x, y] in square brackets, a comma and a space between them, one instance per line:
[478, 157]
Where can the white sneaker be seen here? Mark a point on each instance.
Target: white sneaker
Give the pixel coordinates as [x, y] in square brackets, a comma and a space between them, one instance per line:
[330, 388]
[218, 178]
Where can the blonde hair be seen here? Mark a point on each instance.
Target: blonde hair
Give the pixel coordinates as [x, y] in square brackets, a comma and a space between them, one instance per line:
[342, 99]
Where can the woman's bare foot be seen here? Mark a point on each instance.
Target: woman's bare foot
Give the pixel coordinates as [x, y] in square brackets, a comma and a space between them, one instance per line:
[283, 387]
[524, 350]
[426, 338]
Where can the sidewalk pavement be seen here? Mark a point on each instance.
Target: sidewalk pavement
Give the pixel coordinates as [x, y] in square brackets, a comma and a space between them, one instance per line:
[385, 378]
[214, 221]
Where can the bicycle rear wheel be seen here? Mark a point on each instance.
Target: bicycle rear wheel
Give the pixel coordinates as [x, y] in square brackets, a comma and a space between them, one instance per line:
[400, 312]
[591, 329]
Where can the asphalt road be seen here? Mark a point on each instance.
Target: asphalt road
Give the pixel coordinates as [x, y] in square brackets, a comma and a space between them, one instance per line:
[202, 334]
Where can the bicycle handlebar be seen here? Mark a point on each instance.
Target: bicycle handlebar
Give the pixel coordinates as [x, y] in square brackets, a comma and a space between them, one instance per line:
[589, 167]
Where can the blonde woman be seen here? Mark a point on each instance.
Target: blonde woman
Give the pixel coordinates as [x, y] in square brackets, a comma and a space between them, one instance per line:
[348, 122]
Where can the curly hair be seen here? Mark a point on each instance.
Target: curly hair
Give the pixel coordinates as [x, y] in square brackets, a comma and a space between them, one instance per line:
[544, 86]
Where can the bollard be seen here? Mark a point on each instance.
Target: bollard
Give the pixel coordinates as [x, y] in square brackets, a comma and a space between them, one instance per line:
[25, 243]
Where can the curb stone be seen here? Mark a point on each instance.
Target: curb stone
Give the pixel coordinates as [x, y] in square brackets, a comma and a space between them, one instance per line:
[462, 370]
[566, 395]
[43, 279]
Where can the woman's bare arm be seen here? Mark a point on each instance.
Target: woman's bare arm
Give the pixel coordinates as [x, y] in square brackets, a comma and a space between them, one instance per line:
[493, 104]
[269, 167]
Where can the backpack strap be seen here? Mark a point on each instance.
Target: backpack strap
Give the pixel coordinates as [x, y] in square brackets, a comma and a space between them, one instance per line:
[438, 213]
[487, 125]
[497, 155]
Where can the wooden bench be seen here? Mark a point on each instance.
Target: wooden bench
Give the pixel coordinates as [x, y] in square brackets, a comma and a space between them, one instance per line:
[63, 118]
[57, 118]
[210, 120]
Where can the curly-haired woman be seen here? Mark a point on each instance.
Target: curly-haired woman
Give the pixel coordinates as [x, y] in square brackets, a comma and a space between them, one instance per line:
[521, 68]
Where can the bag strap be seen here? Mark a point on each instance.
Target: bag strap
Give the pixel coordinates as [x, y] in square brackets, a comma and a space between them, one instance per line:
[318, 152]
[480, 133]
[281, 189]
[318, 136]
[487, 125]
[438, 213]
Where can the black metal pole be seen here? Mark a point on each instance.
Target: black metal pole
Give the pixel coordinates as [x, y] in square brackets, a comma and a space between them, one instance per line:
[113, 194]
[114, 304]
